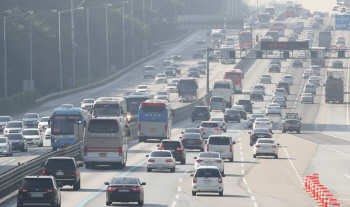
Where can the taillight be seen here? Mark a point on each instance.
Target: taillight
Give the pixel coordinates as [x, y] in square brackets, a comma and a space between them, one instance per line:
[269, 136]
[182, 140]
[220, 180]
[179, 148]
[273, 101]
[135, 189]
[218, 161]
[253, 135]
[51, 190]
[151, 160]
[207, 147]
[274, 146]
[120, 151]
[239, 116]
[230, 150]
[217, 128]
[139, 127]
[223, 124]
[166, 127]
[225, 116]
[194, 180]
[44, 171]
[257, 145]
[112, 188]
[85, 151]
[23, 190]
[201, 128]
[161, 148]
[199, 140]
[169, 160]
[75, 173]
[199, 161]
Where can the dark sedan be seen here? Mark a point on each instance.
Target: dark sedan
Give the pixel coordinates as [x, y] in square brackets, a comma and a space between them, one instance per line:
[175, 147]
[275, 67]
[259, 133]
[176, 56]
[125, 189]
[192, 141]
[17, 141]
[193, 72]
[170, 71]
[297, 63]
[256, 94]
[177, 68]
[232, 115]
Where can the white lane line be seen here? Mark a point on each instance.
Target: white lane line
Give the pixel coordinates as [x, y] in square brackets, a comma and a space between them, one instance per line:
[180, 180]
[174, 204]
[347, 175]
[177, 196]
[242, 172]
[292, 164]
[179, 189]
[252, 197]
[245, 181]
[242, 159]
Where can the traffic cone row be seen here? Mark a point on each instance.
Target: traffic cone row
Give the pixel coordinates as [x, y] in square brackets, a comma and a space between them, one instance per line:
[318, 191]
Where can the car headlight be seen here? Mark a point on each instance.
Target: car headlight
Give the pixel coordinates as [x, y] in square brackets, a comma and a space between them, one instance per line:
[128, 116]
[6, 131]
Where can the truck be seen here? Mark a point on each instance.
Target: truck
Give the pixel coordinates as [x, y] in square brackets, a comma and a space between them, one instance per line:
[320, 56]
[291, 122]
[149, 71]
[324, 39]
[335, 73]
[216, 36]
[334, 90]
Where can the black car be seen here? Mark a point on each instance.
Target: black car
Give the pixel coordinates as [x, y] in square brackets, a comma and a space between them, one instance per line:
[201, 69]
[193, 72]
[170, 71]
[125, 189]
[17, 141]
[337, 64]
[192, 141]
[232, 115]
[256, 94]
[275, 61]
[275, 67]
[176, 148]
[315, 25]
[242, 112]
[176, 56]
[259, 133]
[200, 113]
[64, 169]
[297, 30]
[285, 86]
[177, 68]
[39, 191]
[197, 53]
[204, 63]
[194, 130]
[247, 104]
[319, 20]
[297, 63]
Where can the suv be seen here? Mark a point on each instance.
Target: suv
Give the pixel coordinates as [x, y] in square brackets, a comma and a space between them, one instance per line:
[197, 53]
[232, 115]
[31, 119]
[200, 113]
[39, 191]
[297, 62]
[176, 148]
[210, 128]
[64, 169]
[177, 68]
[285, 86]
[13, 127]
[170, 71]
[207, 179]
[275, 67]
[247, 104]
[3, 122]
[217, 103]
[223, 145]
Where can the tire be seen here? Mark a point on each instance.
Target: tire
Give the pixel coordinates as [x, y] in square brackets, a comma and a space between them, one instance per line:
[298, 131]
[172, 169]
[22, 150]
[231, 159]
[276, 156]
[225, 130]
[245, 118]
[41, 144]
[239, 121]
[251, 144]
[194, 193]
[202, 150]
[108, 203]
[267, 114]
[26, 149]
[283, 131]
[254, 156]
[87, 166]
[54, 148]
[149, 170]
[141, 139]
[192, 120]
[183, 161]
[221, 193]
[76, 186]
[140, 203]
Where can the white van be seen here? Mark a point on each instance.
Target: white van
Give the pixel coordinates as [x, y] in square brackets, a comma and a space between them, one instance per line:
[225, 89]
[222, 144]
[105, 143]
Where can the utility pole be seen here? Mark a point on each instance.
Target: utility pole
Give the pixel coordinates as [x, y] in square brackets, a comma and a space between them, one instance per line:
[73, 41]
[208, 68]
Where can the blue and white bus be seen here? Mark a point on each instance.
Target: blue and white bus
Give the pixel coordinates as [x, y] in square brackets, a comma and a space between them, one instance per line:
[154, 120]
[64, 123]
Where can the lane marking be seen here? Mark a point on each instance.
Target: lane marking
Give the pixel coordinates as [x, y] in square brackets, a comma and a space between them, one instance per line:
[177, 196]
[179, 189]
[347, 175]
[12, 160]
[4, 164]
[180, 180]
[292, 164]
[174, 204]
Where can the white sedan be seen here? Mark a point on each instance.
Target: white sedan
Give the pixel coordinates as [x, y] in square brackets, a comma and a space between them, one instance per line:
[273, 108]
[161, 78]
[209, 159]
[142, 88]
[171, 88]
[263, 123]
[308, 73]
[287, 79]
[265, 147]
[314, 80]
[160, 159]
[162, 95]
[221, 122]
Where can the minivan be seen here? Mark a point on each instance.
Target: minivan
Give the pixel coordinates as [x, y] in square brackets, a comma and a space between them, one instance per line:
[223, 145]
[217, 103]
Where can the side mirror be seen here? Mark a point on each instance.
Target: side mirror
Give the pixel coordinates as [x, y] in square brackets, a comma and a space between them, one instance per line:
[106, 183]
[42, 165]
[233, 142]
[195, 158]
[158, 145]
[271, 121]
[80, 165]
[182, 132]
[143, 183]
[249, 133]
[278, 144]
[192, 175]
[147, 155]
[223, 176]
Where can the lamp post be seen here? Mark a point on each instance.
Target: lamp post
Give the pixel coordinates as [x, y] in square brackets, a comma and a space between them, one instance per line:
[59, 39]
[5, 76]
[124, 34]
[132, 32]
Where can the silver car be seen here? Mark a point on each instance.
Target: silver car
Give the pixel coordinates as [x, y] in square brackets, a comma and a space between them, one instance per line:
[210, 128]
[221, 123]
[5, 146]
[265, 78]
[161, 78]
[217, 103]
[252, 119]
[281, 101]
[281, 90]
[314, 80]
[310, 88]
[307, 98]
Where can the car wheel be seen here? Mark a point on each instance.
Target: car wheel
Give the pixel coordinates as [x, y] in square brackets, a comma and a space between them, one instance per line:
[141, 139]
[149, 170]
[276, 156]
[254, 156]
[239, 121]
[192, 120]
[245, 118]
[202, 150]
[87, 165]
[108, 203]
[172, 169]
[267, 114]
[183, 161]
[251, 144]
[221, 193]
[140, 203]
[231, 159]
[194, 193]
[76, 186]
[225, 130]
[312, 102]
[298, 131]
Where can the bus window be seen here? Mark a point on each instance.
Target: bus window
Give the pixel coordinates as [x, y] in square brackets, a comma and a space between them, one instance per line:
[222, 85]
[153, 109]
[103, 126]
[106, 109]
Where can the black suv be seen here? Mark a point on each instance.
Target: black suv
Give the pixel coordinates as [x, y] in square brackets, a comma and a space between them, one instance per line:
[297, 62]
[170, 71]
[39, 191]
[285, 86]
[247, 104]
[176, 149]
[232, 115]
[275, 67]
[259, 133]
[64, 169]
[200, 113]
[197, 53]
[177, 68]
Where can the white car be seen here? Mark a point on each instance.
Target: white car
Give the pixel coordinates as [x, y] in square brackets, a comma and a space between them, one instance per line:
[210, 128]
[221, 122]
[252, 118]
[43, 123]
[209, 159]
[33, 137]
[301, 54]
[287, 79]
[308, 73]
[265, 147]
[207, 179]
[5, 146]
[263, 123]
[280, 94]
[311, 32]
[316, 69]
[171, 88]
[281, 101]
[87, 103]
[265, 78]
[142, 88]
[13, 127]
[229, 41]
[160, 159]
[307, 98]
[175, 81]
[47, 133]
[161, 78]
[314, 80]
[168, 61]
[273, 108]
[304, 16]
[340, 40]
[163, 95]
[31, 119]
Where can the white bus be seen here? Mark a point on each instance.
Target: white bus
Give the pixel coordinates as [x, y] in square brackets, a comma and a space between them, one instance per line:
[225, 54]
[224, 88]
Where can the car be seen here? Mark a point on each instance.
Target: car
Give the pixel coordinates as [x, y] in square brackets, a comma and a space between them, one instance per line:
[256, 94]
[176, 147]
[67, 106]
[13, 127]
[43, 123]
[265, 78]
[193, 130]
[125, 189]
[281, 90]
[300, 24]
[329, 26]
[265, 147]
[292, 39]
[222, 144]
[252, 118]
[259, 87]
[201, 69]
[200, 40]
[37, 190]
[308, 40]
[314, 80]
[287, 79]
[337, 64]
[309, 36]
[319, 20]
[304, 16]
[285, 86]
[247, 27]
[193, 72]
[297, 63]
[128, 93]
[310, 88]
[171, 88]
[217, 103]
[170, 71]
[161, 78]
[307, 98]
[221, 122]
[316, 69]
[259, 133]
[247, 104]
[315, 25]
[160, 159]
[275, 61]
[87, 103]
[297, 30]
[3, 122]
[192, 141]
[163, 95]
[307, 73]
[280, 94]
[281, 101]
[275, 67]
[340, 40]
[252, 21]
[47, 133]
[31, 120]
[33, 137]
[209, 159]
[142, 88]
[210, 128]
[294, 34]
[229, 41]
[301, 54]
[207, 179]
[232, 115]
[327, 29]
[176, 56]
[263, 123]
[168, 61]
[175, 81]
[197, 54]
[17, 142]
[310, 32]
[5, 147]
[241, 110]
[273, 108]
[65, 170]
[177, 68]
[200, 113]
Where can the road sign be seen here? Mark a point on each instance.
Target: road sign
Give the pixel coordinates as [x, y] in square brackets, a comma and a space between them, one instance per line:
[342, 47]
[334, 49]
[304, 45]
[342, 22]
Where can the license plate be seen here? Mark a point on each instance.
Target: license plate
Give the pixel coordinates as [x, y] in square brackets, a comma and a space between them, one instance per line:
[160, 166]
[59, 173]
[103, 154]
[152, 130]
[207, 181]
[124, 191]
[261, 136]
[36, 194]
[219, 151]
[172, 150]
[190, 142]
[200, 114]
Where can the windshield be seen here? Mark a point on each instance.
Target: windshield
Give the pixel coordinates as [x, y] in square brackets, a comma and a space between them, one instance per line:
[153, 109]
[103, 126]
[106, 110]
[133, 104]
[245, 37]
[14, 136]
[193, 69]
[167, 144]
[208, 173]
[278, 26]
[31, 116]
[142, 87]
[14, 125]
[41, 184]
[192, 130]
[222, 85]
[171, 84]
[64, 124]
[161, 76]
[254, 116]
[3, 140]
[266, 141]
[59, 164]
[216, 35]
[271, 11]
[160, 154]
[209, 155]
[211, 125]
[232, 112]
[176, 53]
[216, 119]
[217, 99]
[187, 87]
[5, 118]
[162, 93]
[260, 119]
[125, 181]
[191, 136]
[148, 68]
[30, 132]
[290, 7]
[88, 101]
[168, 58]
[219, 140]
[44, 119]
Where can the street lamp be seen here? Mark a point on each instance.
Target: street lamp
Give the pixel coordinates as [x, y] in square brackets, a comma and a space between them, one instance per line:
[124, 34]
[59, 39]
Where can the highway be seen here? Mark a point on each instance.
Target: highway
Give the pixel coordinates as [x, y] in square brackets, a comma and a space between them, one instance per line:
[322, 146]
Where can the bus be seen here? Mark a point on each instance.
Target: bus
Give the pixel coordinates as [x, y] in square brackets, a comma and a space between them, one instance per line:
[279, 27]
[298, 9]
[225, 53]
[271, 10]
[216, 36]
[154, 120]
[245, 39]
[290, 11]
[105, 143]
[236, 75]
[133, 101]
[187, 89]
[267, 39]
[264, 20]
[67, 126]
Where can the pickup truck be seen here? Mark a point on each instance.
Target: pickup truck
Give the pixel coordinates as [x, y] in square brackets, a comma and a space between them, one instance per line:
[291, 122]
